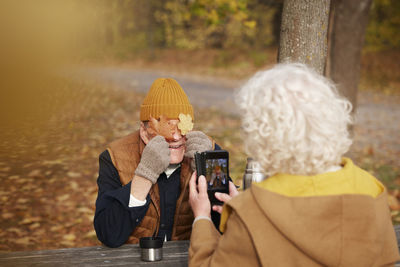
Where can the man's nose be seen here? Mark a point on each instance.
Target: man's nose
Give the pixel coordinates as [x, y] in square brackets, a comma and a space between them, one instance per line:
[177, 135]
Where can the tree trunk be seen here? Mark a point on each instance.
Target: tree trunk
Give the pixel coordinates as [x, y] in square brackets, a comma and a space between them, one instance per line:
[303, 35]
[350, 19]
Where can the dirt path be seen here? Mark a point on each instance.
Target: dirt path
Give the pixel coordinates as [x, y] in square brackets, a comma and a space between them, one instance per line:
[377, 127]
[202, 91]
[377, 120]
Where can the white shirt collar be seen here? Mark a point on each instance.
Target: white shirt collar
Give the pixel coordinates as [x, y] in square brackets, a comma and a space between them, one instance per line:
[171, 168]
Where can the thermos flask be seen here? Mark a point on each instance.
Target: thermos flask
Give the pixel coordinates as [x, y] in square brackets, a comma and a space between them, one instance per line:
[151, 248]
[253, 173]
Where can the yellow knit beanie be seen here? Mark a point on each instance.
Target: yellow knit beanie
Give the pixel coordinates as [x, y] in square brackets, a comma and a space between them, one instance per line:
[165, 97]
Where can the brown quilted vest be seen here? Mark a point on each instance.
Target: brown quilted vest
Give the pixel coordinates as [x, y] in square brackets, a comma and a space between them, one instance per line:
[125, 154]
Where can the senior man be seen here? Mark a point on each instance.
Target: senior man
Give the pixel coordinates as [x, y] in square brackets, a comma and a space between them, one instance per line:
[144, 177]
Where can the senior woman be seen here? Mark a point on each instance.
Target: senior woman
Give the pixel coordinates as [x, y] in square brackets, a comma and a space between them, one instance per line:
[317, 207]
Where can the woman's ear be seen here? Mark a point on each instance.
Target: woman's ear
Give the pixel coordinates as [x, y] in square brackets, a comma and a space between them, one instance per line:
[143, 133]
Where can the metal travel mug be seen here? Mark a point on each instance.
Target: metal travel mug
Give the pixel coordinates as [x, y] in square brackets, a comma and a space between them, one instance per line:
[253, 173]
[151, 248]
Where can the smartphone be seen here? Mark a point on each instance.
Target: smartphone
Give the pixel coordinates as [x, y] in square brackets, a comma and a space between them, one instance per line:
[214, 165]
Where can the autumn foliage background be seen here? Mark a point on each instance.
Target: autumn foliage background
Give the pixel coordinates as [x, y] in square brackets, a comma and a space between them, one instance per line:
[55, 123]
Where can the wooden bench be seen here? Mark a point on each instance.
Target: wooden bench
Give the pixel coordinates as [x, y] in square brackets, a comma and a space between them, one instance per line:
[175, 254]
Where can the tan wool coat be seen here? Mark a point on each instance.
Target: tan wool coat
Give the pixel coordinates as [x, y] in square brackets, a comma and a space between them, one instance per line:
[268, 229]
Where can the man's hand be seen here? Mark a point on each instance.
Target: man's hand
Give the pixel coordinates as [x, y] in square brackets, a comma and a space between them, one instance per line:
[196, 141]
[155, 159]
[225, 197]
[198, 198]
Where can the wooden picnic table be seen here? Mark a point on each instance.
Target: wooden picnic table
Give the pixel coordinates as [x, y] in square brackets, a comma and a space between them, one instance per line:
[175, 253]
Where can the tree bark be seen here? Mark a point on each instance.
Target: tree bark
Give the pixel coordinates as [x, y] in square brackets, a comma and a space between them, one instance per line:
[303, 35]
[350, 19]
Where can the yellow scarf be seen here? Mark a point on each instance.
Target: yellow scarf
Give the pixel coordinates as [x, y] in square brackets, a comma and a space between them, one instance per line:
[350, 179]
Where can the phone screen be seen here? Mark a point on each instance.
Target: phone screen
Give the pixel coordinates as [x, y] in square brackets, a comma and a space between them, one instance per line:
[217, 174]
[214, 165]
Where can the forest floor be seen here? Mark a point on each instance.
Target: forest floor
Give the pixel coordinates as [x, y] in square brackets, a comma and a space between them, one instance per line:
[48, 160]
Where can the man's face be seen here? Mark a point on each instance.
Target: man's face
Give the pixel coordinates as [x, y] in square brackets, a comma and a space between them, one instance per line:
[176, 144]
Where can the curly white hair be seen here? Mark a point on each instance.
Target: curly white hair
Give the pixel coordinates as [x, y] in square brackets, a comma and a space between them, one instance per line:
[294, 121]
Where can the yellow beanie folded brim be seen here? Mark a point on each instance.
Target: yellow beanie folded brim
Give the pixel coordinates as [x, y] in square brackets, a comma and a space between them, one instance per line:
[171, 111]
[165, 97]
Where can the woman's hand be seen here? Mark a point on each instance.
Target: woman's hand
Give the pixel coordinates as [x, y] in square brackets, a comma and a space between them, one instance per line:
[198, 197]
[225, 197]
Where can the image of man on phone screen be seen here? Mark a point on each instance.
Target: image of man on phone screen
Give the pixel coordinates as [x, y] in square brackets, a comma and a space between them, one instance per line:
[218, 178]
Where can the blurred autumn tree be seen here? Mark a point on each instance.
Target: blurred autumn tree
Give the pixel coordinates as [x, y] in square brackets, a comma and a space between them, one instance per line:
[123, 28]
[129, 26]
[383, 31]
[348, 23]
[352, 22]
[126, 27]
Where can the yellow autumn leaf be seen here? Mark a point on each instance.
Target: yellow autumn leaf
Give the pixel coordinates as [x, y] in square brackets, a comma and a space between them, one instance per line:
[34, 173]
[185, 123]
[56, 228]
[34, 226]
[23, 241]
[67, 243]
[250, 24]
[73, 174]
[74, 185]
[63, 197]
[5, 169]
[15, 230]
[85, 210]
[69, 237]
[90, 234]
[7, 215]
[23, 201]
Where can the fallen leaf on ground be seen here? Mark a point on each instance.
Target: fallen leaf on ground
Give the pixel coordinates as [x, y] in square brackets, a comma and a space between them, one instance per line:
[7, 216]
[69, 237]
[63, 197]
[73, 174]
[35, 173]
[30, 220]
[23, 241]
[15, 230]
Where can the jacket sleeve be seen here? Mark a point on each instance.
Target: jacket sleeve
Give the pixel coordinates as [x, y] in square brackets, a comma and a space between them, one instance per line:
[209, 248]
[114, 220]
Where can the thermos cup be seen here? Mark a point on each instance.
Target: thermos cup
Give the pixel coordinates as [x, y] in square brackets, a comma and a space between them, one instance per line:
[151, 248]
[253, 173]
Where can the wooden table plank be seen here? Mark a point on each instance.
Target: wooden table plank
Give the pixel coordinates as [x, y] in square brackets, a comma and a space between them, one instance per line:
[175, 253]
